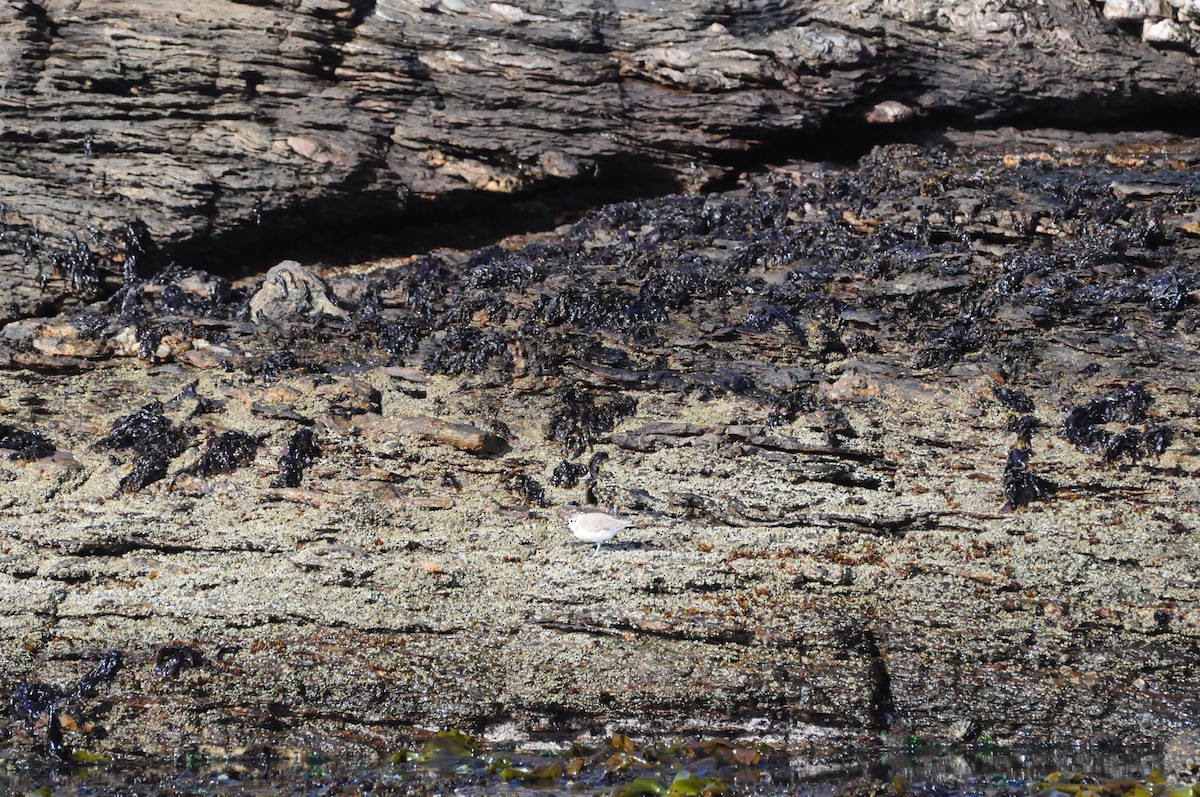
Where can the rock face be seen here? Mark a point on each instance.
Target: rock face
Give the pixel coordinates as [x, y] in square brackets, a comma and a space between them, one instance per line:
[291, 291]
[909, 447]
[136, 133]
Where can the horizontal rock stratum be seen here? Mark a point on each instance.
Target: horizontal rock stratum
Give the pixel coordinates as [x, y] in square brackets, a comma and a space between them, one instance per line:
[137, 133]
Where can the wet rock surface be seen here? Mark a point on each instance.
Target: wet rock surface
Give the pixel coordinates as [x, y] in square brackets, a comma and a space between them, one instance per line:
[806, 393]
[620, 766]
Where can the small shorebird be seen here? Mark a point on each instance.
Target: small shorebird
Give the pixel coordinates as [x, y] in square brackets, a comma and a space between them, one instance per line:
[597, 527]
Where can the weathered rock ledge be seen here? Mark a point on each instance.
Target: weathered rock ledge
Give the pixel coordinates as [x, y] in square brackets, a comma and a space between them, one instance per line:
[137, 133]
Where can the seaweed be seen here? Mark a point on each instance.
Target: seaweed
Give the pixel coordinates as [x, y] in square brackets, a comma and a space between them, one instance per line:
[1154, 440]
[970, 332]
[766, 273]
[1084, 426]
[1127, 404]
[274, 365]
[1136, 444]
[226, 453]
[187, 291]
[761, 318]
[138, 430]
[836, 427]
[169, 302]
[788, 405]
[592, 307]
[150, 335]
[468, 349]
[795, 270]
[203, 406]
[470, 307]
[188, 392]
[302, 450]
[677, 287]
[567, 474]
[1021, 486]
[527, 489]
[1023, 426]
[399, 337]
[170, 660]
[19, 444]
[593, 466]
[579, 420]
[155, 439]
[427, 283]
[79, 267]
[492, 267]
[593, 475]
[1014, 400]
[32, 702]
[81, 264]
[147, 468]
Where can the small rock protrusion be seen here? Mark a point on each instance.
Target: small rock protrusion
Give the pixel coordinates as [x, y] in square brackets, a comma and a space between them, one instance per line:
[962, 730]
[890, 112]
[1133, 10]
[290, 290]
[1164, 33]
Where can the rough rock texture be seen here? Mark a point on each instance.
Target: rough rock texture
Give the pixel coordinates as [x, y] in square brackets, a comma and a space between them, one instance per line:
[134, 133]
[289, 291]
[910, 447]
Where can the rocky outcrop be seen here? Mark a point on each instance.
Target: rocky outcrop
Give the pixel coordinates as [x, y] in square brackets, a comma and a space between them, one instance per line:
[909, 450]
[134, 134]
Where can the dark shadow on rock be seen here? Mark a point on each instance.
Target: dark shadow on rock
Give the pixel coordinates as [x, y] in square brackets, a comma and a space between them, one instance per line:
[359, 227]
